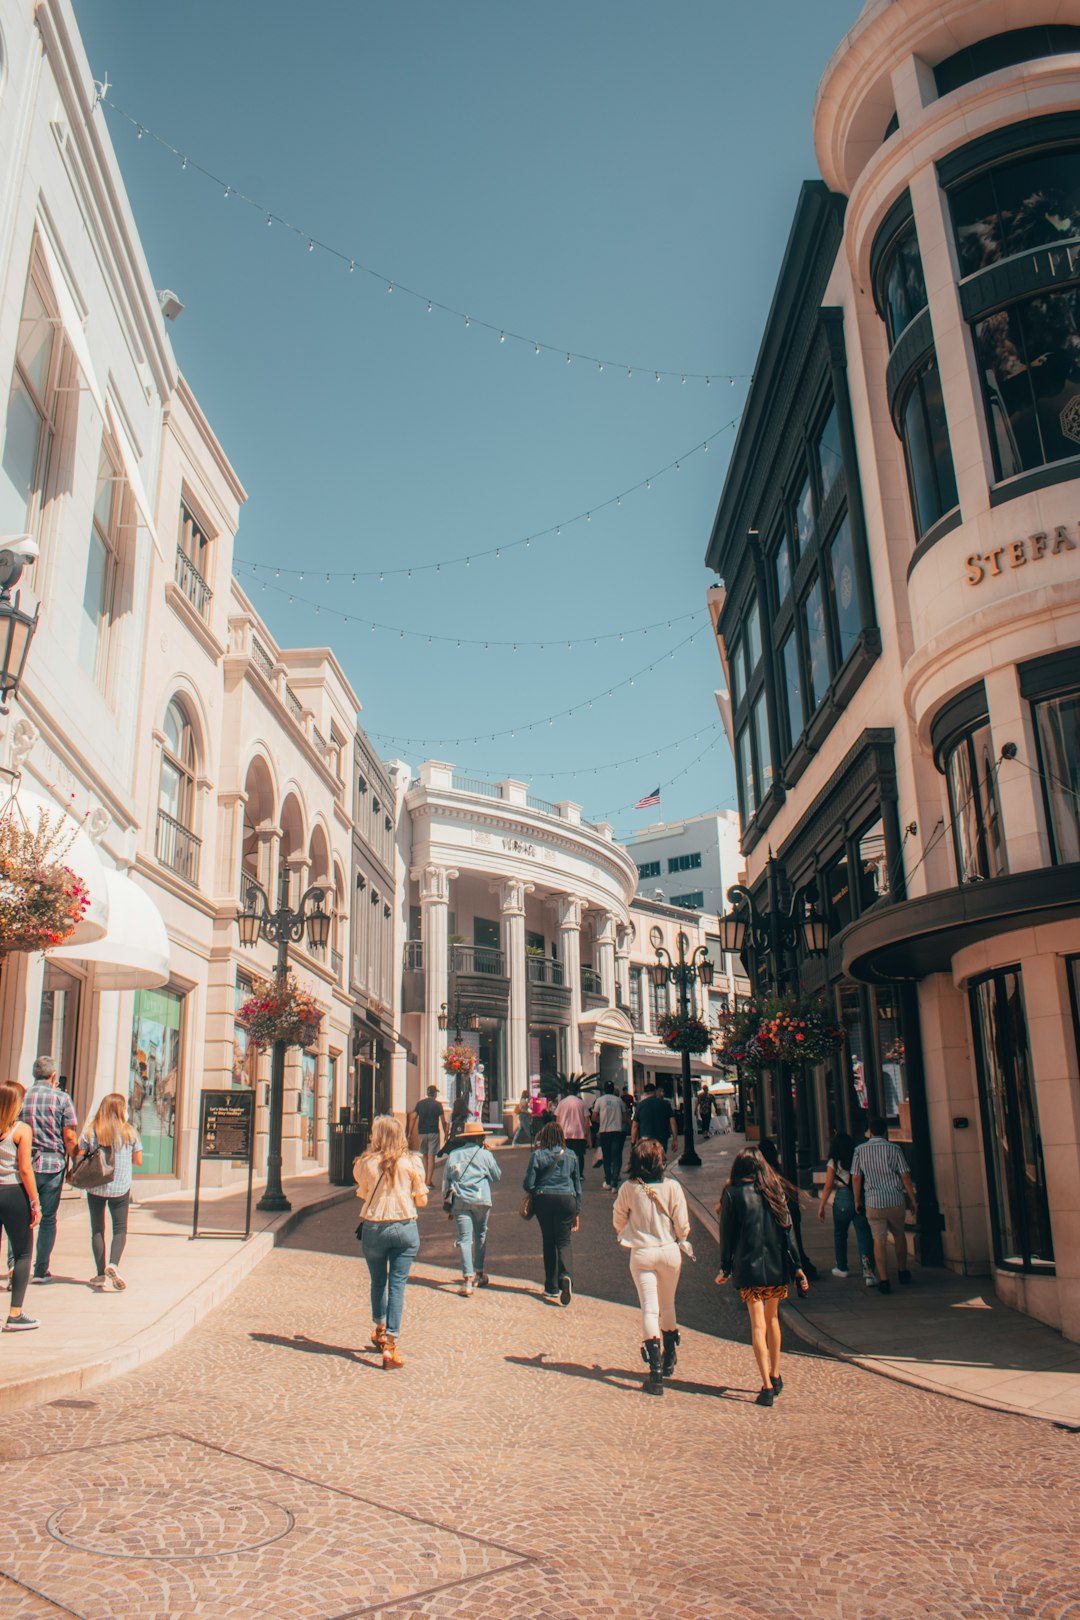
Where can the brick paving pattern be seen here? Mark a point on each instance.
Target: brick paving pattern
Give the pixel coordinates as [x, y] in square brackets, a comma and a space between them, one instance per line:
[268, 1466]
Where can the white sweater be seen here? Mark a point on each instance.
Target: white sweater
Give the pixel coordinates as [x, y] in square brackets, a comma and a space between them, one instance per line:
[643, 1224]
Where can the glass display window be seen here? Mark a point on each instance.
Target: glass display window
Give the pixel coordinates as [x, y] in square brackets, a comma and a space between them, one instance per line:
[1057, 726]
[154, 1076]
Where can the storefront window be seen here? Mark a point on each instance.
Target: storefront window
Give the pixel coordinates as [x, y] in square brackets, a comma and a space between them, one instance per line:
[1011, 1138]
[245, 1055]
[845, 594]
[892, 1058]
[837, 882]
[58, 1024]
[925, 435]
[1057, 723]
[308, 1087]
[789, 658]
[873, 869]
[853, 1054]
[1030, 367]
[829, 458]
[817, 648]
[154, 1077]
[975, 809]
[903, 285]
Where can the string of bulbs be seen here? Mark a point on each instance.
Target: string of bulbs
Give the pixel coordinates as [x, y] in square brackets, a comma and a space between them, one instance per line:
[553, 531]
[432, 305]
[607, 815]
[610, 765]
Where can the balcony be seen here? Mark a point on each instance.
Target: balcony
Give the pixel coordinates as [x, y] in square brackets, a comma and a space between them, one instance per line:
[192, 583]
[547, 994]
[591, 983]
[177, 847]
[262, 659]
[544, 970]
[477, 959]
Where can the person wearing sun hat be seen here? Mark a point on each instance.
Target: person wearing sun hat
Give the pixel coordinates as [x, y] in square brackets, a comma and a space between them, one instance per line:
[470, 1169]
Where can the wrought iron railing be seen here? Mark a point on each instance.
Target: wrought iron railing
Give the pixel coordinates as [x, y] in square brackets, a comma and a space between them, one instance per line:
[535, 803]
[192, 583]
[318, 739]
[262, 659]
[591, 982]
[293, 704]
[476, 959]
[475, 784]
[414, 955]
[177, 847]
[544, 970]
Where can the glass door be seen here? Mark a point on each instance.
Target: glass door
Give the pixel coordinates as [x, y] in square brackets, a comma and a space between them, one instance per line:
[58, 1024]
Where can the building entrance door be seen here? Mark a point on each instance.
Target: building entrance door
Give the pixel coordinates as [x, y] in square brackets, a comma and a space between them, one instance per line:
[58, 1024]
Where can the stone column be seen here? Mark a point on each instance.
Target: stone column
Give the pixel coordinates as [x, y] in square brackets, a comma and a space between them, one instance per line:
[622, 967]
[605, 955]
[231, 842]
[269, 858]
[434, 908]
[570, 911]
[512, 894]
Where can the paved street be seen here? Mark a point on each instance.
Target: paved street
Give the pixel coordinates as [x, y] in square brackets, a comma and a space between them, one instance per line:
[267, 1467]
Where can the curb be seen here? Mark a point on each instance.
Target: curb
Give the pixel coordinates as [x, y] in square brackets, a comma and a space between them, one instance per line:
[173, 1325]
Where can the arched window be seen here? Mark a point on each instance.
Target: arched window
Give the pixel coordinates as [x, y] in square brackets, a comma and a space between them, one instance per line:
[177, 846]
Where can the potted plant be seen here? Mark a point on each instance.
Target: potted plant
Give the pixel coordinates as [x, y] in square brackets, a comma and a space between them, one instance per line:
[557, 1086]
[42, 900]
[683, 1034]
[459, 1059]
[279, 1010]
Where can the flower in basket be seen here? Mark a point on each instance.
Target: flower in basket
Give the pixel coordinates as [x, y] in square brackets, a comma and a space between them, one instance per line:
[681, 1034]
[279, 1010]
[459, 1058]
[42, 900]
[792, 1028]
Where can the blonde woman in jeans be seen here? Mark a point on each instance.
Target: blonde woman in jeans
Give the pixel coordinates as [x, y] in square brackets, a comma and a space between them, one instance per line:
[391, 1183]
[651, 1220]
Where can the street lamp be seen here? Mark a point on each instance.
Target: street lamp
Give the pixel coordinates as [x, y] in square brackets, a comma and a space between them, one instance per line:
[463, 1017]
[16, 625]
[681, 972]
[256, 921]
[771, 937]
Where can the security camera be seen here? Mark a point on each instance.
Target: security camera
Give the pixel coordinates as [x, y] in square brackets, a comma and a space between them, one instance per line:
[21, 545]
[171, 307]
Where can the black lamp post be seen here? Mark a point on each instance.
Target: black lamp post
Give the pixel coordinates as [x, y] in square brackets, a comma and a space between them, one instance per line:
[681, 972]
[772, 938]
[256, 921]
[16, 627]
[463, 1017]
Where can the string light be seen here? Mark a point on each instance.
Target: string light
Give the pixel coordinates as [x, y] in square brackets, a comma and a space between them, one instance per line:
[392, 283]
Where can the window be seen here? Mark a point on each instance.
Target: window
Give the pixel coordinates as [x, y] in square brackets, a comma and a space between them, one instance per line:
[804, 513]
[193, 561]
[735, 673]
[752, 640]
[924, 433]
[748, 798]
[307, 1102]
[901, 284]
[830, 461]
[817, 646]
[847, 617]
[649, 869]
[245, 1054]
[32, 411]
[1004, 50]
[789, 663]
[872, 867]
[1026, 201]
[763, 769]
[836, 882]
[694, 901]
[1057, 728]
[659, 1001]
[154, 1077]
[974, 808]
[102, 567]
[177, 846]
[1020, 1214]
[1030, 370]
[635, 998]
[782, 569]
[684, 863]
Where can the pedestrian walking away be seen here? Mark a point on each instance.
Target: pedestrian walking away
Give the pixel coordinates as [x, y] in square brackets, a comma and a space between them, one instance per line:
[771, 1154]
[553, 1178]
[608, 1115]
[655, 1117]
[651, 1220]
[431, 1124]
[881, 1182]
[470, 1169]
[49, 1113]
[758, 1253]
[838, 1184]
[573, 1116]
[20, 1208]
[390, 1182]
[523, 1133]
[704, 1113]
[111, 1130]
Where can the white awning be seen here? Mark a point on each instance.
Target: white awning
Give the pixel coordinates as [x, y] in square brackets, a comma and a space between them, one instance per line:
[132, 474]
[134, 954]
[73, 327]
[82, 857]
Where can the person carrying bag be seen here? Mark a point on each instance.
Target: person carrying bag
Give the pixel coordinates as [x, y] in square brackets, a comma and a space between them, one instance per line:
[651, 1220]
[471, 1168]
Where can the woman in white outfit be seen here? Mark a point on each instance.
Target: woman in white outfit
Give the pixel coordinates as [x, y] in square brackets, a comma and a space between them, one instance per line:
[651, 1220]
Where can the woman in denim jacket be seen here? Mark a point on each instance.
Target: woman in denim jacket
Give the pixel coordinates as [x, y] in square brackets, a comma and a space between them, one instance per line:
[471, 1168]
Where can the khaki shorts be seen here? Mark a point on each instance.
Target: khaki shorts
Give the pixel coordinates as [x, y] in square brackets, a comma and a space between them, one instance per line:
[890, 1219]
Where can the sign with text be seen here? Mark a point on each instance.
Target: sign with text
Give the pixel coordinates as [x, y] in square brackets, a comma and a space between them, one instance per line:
[227, 1125]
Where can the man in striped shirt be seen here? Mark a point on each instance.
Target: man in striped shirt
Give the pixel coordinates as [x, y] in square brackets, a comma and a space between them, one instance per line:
[881, 1181]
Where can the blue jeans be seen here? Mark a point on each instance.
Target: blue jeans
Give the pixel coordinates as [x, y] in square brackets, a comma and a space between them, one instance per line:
[843, 1216]
[611, 1146]
[389, 1247]
[50, 1185]
[471, 1221]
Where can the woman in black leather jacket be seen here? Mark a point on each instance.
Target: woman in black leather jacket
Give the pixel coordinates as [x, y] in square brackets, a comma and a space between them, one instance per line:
[758, 1252]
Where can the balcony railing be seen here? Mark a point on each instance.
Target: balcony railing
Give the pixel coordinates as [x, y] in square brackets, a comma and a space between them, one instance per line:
[475, 784]
[544, 970]
[414, 955]
[262, 659]
[192, 583]
[535, 803]
[293, 704]
[591, 982]
[177, 847]
[318, 739]
[476, 959]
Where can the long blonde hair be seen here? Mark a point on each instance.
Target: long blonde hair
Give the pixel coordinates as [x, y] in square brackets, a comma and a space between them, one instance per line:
[11, 1101]
[387, 1144]
[110, 1123]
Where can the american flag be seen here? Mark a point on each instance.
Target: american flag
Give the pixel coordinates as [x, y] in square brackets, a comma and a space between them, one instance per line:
[649, 800]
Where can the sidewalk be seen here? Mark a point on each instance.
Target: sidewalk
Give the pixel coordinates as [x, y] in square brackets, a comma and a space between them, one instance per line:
[173, 1282]
[947, 1333]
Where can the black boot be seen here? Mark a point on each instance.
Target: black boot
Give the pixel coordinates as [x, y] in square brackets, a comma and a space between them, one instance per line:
[671, 1352]
[650, 1354]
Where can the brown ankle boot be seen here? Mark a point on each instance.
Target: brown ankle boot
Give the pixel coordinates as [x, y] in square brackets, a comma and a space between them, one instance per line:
[378, 1335]
[390, 1356]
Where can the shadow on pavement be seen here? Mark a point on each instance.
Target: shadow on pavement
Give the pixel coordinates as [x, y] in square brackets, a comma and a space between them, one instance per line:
[620, 1378]
[313, 1347]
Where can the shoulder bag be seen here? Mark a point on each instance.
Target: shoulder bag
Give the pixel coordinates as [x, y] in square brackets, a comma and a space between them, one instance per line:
[528, 1203]
[448, 1201]
[93, 1168]
[684, 1243]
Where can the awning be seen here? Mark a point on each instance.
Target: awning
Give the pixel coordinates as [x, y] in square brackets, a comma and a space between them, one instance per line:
[134, 954]
[73, 327]
[82, 857]
[132, 474]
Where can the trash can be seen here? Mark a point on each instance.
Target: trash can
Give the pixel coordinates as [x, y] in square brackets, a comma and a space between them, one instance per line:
[347, 1142]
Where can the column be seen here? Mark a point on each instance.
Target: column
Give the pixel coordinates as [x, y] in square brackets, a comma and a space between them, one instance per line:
[622, 967]
[268, 859]
[605, 955]
[512, 894]
[434, 907]
[570, 909]
[230, 846]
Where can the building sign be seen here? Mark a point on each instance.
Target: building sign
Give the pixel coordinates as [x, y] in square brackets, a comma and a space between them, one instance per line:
[514, 846]
[1016, 553]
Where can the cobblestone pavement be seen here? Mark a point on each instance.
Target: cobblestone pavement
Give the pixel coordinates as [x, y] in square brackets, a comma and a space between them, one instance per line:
[269, 1467]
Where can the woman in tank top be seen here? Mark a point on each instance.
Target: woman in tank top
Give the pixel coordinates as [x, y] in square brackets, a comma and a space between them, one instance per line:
[20, 1210]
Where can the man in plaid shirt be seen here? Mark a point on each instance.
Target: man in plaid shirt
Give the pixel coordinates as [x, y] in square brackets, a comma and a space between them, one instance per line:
[51, 1117]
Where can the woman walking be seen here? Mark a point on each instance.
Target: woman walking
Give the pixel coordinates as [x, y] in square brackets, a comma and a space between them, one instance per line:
[757, 1250]
[20, 1210]
[390, 1181]
[471, 1168]
[109, 1129]
[553, 1177]
[651, 1220]
[838, 1182]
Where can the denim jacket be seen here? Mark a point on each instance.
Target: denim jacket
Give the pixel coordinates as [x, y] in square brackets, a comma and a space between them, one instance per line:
[470, 1170]
[553, 1170]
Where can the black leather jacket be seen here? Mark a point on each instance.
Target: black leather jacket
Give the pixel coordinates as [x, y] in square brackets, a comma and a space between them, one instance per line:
[755, 1251]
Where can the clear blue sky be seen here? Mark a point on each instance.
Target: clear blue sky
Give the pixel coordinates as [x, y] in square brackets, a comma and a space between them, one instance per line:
[612, 178]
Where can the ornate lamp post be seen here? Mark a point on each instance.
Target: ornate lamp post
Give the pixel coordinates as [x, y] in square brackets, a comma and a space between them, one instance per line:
[681, 972]
[463, 1017]
[771, 938]
[16, 625]
[256, 921]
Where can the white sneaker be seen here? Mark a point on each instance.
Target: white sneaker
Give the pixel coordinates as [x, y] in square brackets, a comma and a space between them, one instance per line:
[99, 1284]
[871, 1282]
[838, 1273]
[115, 1278]
[466, 1286]
[605, 1188]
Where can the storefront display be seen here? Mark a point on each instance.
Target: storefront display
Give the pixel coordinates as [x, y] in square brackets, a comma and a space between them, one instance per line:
[154, 1078]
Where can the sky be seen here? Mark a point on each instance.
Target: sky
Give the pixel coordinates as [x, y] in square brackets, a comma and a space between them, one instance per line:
[611, 179]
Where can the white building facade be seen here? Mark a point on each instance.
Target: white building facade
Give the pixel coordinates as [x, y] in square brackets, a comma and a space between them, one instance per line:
[690, 863]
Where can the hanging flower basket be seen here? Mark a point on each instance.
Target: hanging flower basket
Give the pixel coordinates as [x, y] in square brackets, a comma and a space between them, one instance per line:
[459, 1058]
[280, 1011]
[778, 1029]
[42, 901]
[683, 1034]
